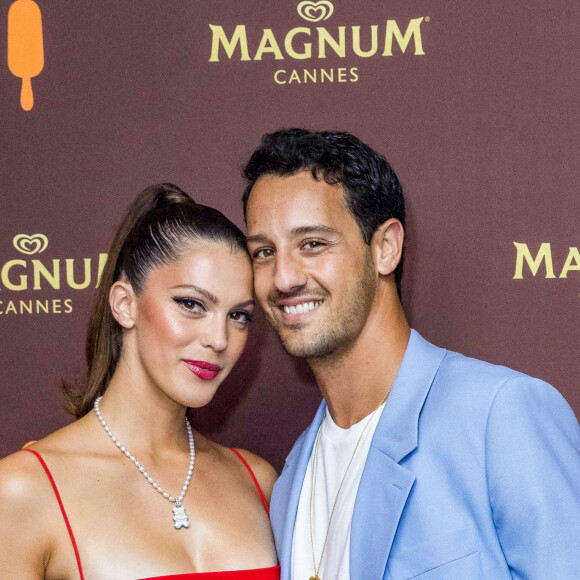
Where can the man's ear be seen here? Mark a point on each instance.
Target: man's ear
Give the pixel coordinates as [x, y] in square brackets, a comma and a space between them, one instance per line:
[387, 244]
[123, 304]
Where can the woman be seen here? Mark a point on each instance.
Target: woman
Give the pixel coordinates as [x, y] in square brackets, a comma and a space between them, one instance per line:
[128, 491]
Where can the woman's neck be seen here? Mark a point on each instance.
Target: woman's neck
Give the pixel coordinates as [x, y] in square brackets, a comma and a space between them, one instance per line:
[141, 416]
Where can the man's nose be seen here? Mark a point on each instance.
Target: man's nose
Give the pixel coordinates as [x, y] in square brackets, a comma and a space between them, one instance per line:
[290, 273]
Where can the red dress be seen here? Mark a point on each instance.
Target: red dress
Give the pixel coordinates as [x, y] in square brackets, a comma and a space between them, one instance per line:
[272, 573]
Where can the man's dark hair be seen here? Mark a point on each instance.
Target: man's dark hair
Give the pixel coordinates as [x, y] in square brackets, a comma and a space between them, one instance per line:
[372, 190]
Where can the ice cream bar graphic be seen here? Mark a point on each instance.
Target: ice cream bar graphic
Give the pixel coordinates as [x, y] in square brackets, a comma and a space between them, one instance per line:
[25, 46]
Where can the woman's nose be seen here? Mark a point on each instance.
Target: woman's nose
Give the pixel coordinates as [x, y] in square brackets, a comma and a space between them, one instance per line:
[215, 335]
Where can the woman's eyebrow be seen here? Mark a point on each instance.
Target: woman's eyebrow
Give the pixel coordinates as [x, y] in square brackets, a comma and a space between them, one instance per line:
[211, 297]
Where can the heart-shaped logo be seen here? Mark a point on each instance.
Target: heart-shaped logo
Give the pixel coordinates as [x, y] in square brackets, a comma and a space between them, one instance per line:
[34, 244]
[315, 11]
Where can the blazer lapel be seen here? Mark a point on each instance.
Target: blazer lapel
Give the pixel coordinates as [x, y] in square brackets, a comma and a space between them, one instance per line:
[380, 500]
[286, 494]
[385, 485]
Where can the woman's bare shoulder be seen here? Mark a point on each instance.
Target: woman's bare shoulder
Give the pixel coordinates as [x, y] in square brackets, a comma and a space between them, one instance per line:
[30, 511]
[22, 475]
[21, 478]
[264, 471]
[26, 508]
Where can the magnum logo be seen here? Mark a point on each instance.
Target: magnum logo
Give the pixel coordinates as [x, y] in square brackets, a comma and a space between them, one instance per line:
[25, 46]
[543, 258]
[304, 43]
[315, 11]
[22, 276]
[35, 244]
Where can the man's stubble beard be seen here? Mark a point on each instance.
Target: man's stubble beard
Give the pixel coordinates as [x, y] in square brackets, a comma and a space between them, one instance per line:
[341, 330]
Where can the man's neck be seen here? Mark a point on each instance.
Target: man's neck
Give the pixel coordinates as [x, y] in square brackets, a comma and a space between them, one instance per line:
[359, 380]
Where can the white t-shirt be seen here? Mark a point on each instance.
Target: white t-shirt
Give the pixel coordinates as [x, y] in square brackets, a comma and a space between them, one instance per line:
[335, 449]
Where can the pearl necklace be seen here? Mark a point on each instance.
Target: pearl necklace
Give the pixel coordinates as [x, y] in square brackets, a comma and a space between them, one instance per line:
[180, 518]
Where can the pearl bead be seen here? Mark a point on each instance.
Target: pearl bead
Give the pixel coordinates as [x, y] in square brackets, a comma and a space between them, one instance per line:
[155, 485]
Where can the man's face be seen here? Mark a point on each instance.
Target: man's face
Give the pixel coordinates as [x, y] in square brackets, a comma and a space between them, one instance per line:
[313, 274]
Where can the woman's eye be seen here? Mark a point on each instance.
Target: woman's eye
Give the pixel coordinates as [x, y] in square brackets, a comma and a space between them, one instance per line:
[189, 304]
[242, 317]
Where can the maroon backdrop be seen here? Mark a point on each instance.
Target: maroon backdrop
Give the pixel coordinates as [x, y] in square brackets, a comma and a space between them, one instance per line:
[478, 115]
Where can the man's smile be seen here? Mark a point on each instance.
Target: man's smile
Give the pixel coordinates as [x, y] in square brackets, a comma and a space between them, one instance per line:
[298, 308]
[302, 307]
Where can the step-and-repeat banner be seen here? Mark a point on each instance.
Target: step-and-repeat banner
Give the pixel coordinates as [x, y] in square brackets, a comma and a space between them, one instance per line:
[475, 104]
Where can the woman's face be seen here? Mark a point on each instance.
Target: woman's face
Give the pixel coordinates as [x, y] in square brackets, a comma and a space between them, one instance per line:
[192, 321]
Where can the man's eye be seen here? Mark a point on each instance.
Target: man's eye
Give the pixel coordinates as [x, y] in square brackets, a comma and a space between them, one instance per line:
[189, 304]
[312, 244]
[241, 316]
[263, 253]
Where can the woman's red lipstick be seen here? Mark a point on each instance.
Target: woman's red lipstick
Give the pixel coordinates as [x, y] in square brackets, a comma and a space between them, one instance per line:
[204, 370]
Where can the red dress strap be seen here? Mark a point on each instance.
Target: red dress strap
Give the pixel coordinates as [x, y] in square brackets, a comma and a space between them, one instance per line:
[254, 478]
[55, 489]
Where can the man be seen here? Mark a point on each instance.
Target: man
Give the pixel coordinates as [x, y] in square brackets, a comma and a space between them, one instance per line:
[468, 470]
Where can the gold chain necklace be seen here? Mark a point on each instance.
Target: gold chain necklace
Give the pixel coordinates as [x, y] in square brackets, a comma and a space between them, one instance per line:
[313, 481]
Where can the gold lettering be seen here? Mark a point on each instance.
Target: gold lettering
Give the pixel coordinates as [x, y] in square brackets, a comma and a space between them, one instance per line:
[290, 49]
[68, 306]
[573, 256]
[102, 262]
[413, 31]
[40, 306]
[341, 77]
[27, 307]
[70, 274]
[325, 38]
[268, 44]
[53, 279]
[276, 77]
[294, 77]
[309, 75]
[544, 254]
[356, 42]
[353, 74]
[6, 280]
[328, 76]
[11, 308]
[219, 38]
[56, 306]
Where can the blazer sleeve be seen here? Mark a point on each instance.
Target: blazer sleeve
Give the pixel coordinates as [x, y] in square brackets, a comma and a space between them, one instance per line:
[533, 475]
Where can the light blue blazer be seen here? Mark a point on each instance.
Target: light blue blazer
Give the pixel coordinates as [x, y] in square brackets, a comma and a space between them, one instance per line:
[473, 473]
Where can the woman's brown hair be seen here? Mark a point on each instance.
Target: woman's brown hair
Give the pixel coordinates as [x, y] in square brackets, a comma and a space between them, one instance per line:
[157, 229]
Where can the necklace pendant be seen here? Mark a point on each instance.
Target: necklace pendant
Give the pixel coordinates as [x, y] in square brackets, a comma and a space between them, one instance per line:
[314, 577]
[180, 519]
